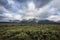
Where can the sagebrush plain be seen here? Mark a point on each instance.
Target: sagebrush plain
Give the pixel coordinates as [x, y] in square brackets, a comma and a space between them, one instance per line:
[29, 32]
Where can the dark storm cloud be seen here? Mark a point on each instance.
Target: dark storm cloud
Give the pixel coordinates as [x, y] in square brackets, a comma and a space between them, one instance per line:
[41, 3]
[1, 12]
[5, 4]
[21, 1]
[38, 3]
[2, 17]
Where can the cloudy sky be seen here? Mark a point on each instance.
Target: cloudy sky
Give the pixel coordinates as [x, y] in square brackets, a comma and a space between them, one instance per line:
[29, 9]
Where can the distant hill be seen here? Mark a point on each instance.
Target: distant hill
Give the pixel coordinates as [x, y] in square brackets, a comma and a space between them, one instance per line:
[47, 22]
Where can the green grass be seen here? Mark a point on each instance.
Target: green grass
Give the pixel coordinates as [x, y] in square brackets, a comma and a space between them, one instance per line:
[29, 32]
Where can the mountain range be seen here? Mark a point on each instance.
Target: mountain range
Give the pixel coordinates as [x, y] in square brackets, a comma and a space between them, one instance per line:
[32, 21]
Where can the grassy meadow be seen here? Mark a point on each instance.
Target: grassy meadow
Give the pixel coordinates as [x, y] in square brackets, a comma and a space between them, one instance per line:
[29, 32]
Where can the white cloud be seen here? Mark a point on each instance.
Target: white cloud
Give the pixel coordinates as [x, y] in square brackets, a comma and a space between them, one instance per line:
[56, 3]
[53, 11]
[17, 17]
[10, 1]
[8, 14]
[54, 18]
[31, 6]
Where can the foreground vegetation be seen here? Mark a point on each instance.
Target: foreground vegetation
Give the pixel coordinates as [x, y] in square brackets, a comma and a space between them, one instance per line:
[29, 32]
